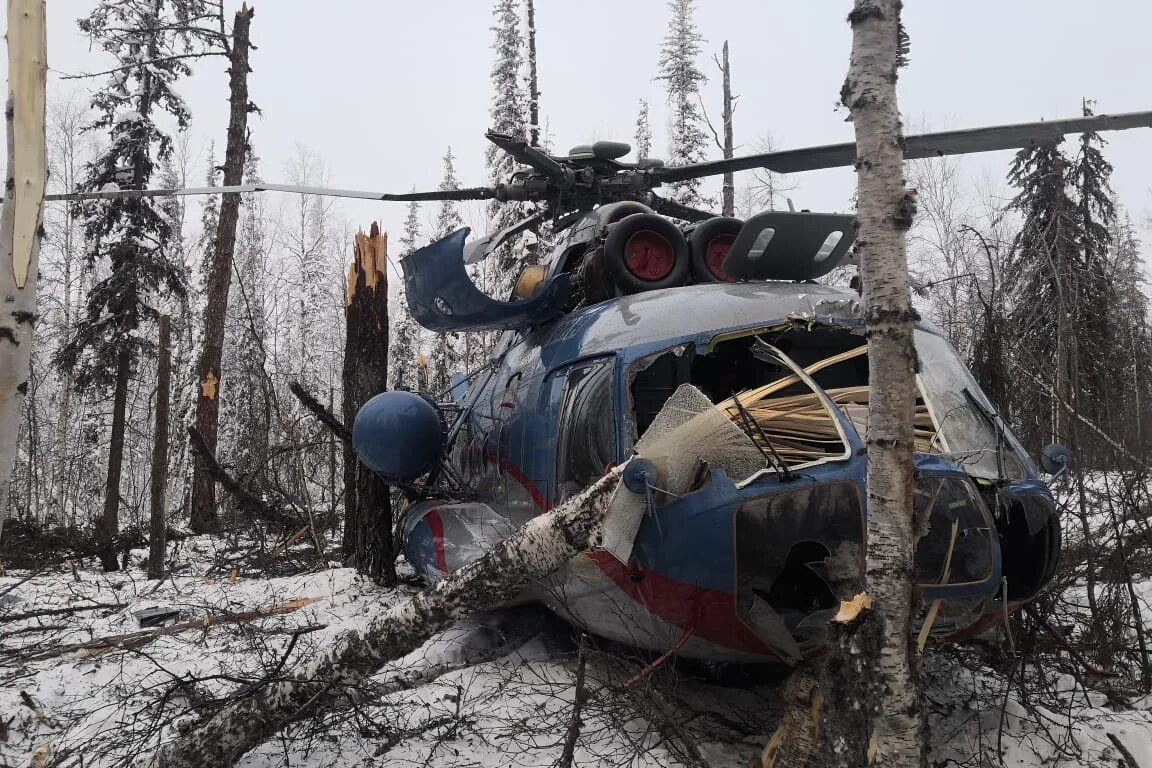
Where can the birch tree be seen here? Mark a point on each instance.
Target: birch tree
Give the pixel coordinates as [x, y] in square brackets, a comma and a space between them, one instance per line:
[20, 220]
[885, 208]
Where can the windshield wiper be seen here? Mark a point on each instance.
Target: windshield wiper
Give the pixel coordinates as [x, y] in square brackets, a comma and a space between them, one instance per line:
[997, 427]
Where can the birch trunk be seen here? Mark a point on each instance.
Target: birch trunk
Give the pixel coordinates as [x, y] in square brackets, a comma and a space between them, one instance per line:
[20, 220]
[531, 553]
[220, 276]
[884, 212]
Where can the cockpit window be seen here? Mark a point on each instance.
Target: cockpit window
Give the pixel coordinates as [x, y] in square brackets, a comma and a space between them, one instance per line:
[587, 428]
[967, 430]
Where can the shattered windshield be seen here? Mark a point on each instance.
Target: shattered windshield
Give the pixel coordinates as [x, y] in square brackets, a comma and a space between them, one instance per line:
[967, 430]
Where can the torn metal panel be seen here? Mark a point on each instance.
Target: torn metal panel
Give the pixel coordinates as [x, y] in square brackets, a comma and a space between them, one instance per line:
[442, 297]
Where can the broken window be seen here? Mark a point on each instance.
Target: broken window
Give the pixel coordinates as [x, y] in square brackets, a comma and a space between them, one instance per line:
[783, 415]
[967, 430]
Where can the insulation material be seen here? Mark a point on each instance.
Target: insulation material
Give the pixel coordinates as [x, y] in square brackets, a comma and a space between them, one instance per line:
[688, 430]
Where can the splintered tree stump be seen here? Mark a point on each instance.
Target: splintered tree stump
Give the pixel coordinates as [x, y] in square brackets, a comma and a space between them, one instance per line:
[367, 507]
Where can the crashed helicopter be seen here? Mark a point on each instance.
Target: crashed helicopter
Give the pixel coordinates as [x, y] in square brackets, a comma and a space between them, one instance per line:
[733, 383]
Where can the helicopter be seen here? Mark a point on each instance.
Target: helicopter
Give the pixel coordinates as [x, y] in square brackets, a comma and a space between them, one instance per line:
[733, 384]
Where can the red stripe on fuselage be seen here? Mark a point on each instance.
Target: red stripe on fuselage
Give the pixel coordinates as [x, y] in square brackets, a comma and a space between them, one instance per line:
[710, 612]
[436, 525]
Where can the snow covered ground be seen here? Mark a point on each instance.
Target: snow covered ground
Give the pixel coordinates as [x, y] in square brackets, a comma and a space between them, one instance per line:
[497, 690]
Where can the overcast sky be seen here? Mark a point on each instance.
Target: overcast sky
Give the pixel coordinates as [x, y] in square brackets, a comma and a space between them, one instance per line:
[380, 88]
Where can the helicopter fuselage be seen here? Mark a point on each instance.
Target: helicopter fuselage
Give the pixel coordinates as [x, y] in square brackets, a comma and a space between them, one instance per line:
[747, 567]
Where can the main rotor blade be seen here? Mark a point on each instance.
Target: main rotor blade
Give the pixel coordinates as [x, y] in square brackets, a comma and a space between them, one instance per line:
[915, 147]
[472, 193]
[528, 155]
[672, 208]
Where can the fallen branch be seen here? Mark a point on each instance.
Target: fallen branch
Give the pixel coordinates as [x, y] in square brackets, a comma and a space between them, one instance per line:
[134, 640]
[247, 500]
[537, 549]
[579, 697]
[57, 611]
[326, 417]
[1129, 758]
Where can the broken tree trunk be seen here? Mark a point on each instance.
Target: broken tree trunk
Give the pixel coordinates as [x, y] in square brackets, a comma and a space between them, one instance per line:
[537, 549]
[884, 213]
[203, 517]
[728, 189]
[20, 221]
[368, 510]
[159, 480]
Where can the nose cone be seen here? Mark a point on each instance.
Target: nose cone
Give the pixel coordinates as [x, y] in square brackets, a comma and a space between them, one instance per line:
[398, 435]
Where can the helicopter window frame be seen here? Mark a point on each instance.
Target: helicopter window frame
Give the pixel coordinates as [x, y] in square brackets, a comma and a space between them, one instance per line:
[588, 399]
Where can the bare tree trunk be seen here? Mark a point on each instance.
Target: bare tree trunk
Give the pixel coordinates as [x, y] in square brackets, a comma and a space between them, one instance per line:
[531, 553]
[884, 211]
[220, 276]
[728, 190]
[367, 507]
[159, 488]
[20, 221]
[533, 84]
[108, 526]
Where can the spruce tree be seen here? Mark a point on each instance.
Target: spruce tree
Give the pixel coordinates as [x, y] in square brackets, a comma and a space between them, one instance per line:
[444, 356]
[405, 335]
[682, 78]
[507, 116]
[1038, 276]
[643, 136]
[128, 238]
[1099, 335]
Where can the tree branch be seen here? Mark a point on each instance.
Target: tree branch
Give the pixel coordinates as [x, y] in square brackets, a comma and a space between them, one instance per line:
[247, 500]
[326, 417]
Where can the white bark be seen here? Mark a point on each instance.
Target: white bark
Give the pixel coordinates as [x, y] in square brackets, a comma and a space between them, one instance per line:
[531, 553]
[20, 221]
[884, 212]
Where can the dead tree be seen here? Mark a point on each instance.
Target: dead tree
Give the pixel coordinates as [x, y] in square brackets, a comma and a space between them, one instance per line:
[20, 221]
[533, 83]
[220, 273]
[728, 189]
[367, 508]
[159, 480]
[537, 549]
[885, 209]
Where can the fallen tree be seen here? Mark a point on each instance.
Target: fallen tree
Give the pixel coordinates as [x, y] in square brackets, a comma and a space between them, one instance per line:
[537, 549]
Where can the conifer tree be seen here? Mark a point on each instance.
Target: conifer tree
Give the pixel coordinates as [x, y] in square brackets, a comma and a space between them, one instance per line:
[443, 357]
[682, 79]
[131, 236]
[246, 421]
[533, 80]
[507, 116]
[643, 136]
[405, 336]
